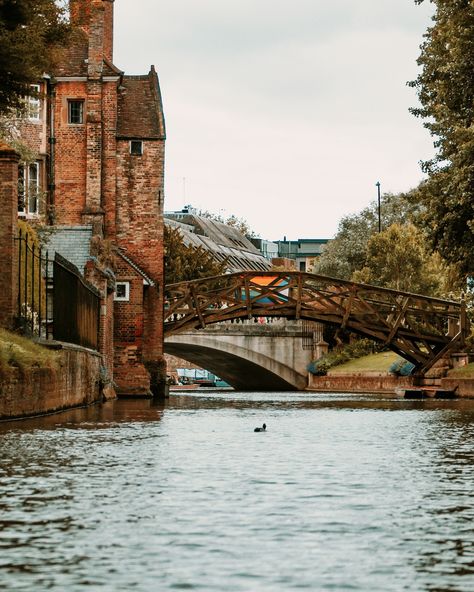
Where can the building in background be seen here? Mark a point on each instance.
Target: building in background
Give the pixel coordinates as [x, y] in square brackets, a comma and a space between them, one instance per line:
[304, 252]
[224, 242]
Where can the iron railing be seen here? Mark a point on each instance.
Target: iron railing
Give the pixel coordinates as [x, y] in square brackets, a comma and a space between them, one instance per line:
[34, 302]
[54, 300]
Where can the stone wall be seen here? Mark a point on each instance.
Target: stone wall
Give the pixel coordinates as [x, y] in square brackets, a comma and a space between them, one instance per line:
[76, 382]
[353, 383]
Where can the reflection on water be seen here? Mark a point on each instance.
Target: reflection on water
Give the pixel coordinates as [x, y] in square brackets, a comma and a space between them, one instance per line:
[342, 492]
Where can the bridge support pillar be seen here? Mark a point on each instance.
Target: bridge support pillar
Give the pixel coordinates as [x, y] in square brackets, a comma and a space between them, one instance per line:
[321, 349]
[158, 381]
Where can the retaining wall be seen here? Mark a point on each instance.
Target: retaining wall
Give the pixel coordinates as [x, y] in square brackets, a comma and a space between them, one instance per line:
[353, 383]
[76, 382]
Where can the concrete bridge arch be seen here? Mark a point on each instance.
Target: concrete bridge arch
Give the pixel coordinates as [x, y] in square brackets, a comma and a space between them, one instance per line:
[248, 357]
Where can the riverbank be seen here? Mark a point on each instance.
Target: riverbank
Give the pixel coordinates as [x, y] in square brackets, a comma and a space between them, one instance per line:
[370, 374]
[40, 379]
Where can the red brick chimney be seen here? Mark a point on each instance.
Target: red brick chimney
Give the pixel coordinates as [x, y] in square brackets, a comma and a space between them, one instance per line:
[96, 18]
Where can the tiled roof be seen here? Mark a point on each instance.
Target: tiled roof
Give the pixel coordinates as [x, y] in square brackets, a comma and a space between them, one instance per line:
[72, 60]
[140, 110]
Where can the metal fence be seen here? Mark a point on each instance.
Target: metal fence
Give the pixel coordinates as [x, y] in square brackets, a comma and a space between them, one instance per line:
[34, 302]
[54, 300]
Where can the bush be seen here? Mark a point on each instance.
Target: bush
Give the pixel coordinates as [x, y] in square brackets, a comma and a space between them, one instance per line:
[351, 351]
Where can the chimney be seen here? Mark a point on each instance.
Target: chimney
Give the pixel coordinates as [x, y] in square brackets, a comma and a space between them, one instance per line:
[80, 13]
[108, 29]
[96, 18]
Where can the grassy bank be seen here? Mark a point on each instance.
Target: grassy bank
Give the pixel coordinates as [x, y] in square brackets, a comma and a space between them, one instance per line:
[380, 362]
[462, 372]
[20, 352]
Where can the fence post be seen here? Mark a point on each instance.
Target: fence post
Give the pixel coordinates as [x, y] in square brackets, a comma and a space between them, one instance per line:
[8, 231]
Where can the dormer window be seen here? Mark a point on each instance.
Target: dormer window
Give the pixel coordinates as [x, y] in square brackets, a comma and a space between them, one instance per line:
[136, 147]
[75, 111]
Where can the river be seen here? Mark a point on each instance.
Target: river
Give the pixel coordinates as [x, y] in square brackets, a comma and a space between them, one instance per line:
[342, 492]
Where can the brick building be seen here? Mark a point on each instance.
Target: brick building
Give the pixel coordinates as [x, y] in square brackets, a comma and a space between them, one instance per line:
[99, 137]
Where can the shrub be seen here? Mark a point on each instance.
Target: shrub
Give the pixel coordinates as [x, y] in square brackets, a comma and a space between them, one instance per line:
[351, 351]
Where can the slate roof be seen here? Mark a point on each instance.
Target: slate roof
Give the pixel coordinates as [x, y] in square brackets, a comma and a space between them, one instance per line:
[72, 242]
[140, 109]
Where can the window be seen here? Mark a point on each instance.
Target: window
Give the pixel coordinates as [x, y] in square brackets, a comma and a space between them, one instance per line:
[75, 113]
[34, 103]
[122, 291]
[302, 265]
[29, 188]
[136, 147]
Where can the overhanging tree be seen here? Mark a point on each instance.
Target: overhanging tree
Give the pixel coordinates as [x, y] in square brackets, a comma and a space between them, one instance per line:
[445, 88]
[30, 30]
[185, 262]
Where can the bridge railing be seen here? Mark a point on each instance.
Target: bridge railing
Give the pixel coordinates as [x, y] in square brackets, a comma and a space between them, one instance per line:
[418, 327]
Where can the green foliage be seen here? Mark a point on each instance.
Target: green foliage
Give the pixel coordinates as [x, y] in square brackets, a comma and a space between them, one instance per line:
[185, 263]
[350, 351]
[347, 252]
[445, 89]
[398, 258]
[29, 32]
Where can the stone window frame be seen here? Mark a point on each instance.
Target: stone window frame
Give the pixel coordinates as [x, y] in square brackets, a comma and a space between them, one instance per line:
[126, 295]
[136, 147]
[79, 115]
[29, 184]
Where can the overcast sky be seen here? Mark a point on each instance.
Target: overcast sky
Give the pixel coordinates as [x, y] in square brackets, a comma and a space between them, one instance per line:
[285, 113]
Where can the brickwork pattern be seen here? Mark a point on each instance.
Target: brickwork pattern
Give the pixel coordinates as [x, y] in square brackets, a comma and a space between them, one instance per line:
[8, 231]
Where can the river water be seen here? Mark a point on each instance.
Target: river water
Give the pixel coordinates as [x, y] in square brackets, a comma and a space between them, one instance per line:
[342, 492]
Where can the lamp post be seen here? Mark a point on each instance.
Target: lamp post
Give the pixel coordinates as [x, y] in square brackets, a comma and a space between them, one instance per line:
[378, 201]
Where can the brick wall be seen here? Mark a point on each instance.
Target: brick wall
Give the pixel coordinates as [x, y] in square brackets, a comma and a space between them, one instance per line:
[71, 156]
[130, 374]
[139, 210]
[8, 231]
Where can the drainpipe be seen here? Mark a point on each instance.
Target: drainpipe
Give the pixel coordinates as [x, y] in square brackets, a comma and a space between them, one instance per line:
[52, 145]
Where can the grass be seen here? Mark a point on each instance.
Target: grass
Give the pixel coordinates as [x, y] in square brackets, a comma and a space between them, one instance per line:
[462, 372]
[20, 352]
[380, 362]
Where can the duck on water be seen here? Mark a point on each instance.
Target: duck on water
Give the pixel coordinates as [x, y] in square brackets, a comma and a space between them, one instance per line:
[262, 429]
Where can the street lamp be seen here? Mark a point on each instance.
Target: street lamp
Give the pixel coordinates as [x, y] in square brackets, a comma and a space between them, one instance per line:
[378, 200]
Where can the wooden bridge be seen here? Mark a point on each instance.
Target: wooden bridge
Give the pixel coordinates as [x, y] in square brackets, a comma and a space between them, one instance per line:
[419, 328]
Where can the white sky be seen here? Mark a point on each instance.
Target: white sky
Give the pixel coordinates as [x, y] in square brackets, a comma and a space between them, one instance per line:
[285, 113]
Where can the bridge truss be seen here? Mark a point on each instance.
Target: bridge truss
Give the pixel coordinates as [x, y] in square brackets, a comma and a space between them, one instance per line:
[419, 328]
